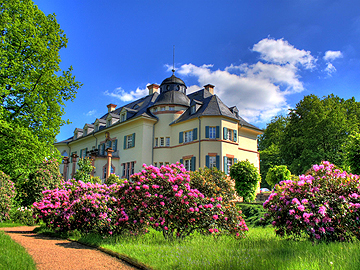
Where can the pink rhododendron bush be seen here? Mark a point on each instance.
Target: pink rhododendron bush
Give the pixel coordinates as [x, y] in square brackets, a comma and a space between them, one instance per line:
[323, 205]
[161, 198]
[164, 199]
[83, 206]
[7, 195]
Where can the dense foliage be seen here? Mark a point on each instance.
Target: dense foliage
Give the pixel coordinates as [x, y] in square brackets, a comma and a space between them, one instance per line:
[352, 152]
[33, 88]
[314, 130]
[45, 176]
[247, 179]
[322, 206]
[277, 174]
[84, 171]
[158, 197]
[7, 194]
[114, 179]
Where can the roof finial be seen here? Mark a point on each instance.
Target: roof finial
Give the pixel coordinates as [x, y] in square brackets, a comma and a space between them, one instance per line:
[173, 70]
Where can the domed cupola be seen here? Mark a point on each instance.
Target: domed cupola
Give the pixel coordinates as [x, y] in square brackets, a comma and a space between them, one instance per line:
[173, 91]
[173, 83]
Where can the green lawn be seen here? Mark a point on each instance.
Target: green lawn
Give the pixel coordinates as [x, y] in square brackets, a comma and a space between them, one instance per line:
[260, 250]
[13, 256]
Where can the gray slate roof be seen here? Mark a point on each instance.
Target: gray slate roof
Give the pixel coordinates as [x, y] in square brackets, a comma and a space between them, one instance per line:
[207, 104]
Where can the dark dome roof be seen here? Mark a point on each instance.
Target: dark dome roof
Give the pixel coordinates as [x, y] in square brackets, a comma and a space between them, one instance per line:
[173, 97]
[173, 79]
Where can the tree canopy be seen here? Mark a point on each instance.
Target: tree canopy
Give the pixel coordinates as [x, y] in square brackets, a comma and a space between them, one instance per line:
[33, 88]
[315, 130]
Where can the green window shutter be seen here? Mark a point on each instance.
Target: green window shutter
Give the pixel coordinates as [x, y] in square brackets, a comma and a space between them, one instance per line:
[181, 161]
[85, 151]
[225, 135]
[235, 160]
[194, 134]
[225, 165]
[181, 137]
[124, 142]
[81, 153]
[217, 132]
[235, 135]
[207, 132]
[218, 162]
[192, 164]
[133, 140]
[207, 161]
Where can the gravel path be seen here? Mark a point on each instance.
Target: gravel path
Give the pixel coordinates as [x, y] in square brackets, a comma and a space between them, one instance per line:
[54, 253]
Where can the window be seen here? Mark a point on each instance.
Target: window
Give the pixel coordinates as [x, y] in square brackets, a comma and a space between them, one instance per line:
[212, 132]
[123, 117]
[171, 108]
[155, 109]
[230, 134]
[155, 164]
[187, 164]
[193, 109]
[129, 141]
[162, 108]
[114, 145]
[128, 169]
[108, 122]
[228, 162]
[167, 141]
[111, 170]
[161, 164]
[188, 136]
[212, 161]
[85, 131]
[162, 142]
[156, 142]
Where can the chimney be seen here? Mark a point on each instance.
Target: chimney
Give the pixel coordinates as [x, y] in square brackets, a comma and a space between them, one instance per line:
[111, 107]
[210, 88]
[153, 88]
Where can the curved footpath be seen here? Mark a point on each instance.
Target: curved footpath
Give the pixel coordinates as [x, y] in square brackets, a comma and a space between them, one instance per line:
[54, 253]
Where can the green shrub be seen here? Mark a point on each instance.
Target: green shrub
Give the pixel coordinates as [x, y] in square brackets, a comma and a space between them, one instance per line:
[7, 194]
[45, 176]
[277, 174]
[114, 179]
[213, 183]
[84, 171]
[247, 179]
[23, 215]
[95, 180]
[253, 214]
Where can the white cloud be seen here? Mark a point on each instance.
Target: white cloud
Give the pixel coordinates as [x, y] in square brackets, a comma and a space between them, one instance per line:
[330, 69]
[121, 94]
[332, 55]
[90, 113]
[281, 52]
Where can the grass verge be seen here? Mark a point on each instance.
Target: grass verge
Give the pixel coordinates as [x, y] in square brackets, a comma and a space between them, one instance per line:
[261, 249]
[12, 255]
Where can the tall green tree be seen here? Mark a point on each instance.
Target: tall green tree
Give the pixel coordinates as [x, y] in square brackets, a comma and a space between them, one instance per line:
[33, 88]
[269, 146]
[352, 152]
[316, 131]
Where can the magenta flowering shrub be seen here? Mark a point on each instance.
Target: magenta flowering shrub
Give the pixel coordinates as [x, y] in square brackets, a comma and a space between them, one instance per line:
[164, 199]
[7, 194]
[323, 205]
[83, 206]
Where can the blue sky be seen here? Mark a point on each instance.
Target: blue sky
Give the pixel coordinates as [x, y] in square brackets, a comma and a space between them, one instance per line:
[262, 56]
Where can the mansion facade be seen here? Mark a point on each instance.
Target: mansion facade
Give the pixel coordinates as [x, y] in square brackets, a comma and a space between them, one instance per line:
[164, 127]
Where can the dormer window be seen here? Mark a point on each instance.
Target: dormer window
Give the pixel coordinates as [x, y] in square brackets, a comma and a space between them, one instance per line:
[85, 131]
[193, 109]
[96, 127]
[123, 117]
[108, 122]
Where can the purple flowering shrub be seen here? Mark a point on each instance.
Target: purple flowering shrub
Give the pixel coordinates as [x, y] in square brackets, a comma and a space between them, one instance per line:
[164, 199]
[7, 194]
[161, 198]
[323, 205]
[83, 206]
